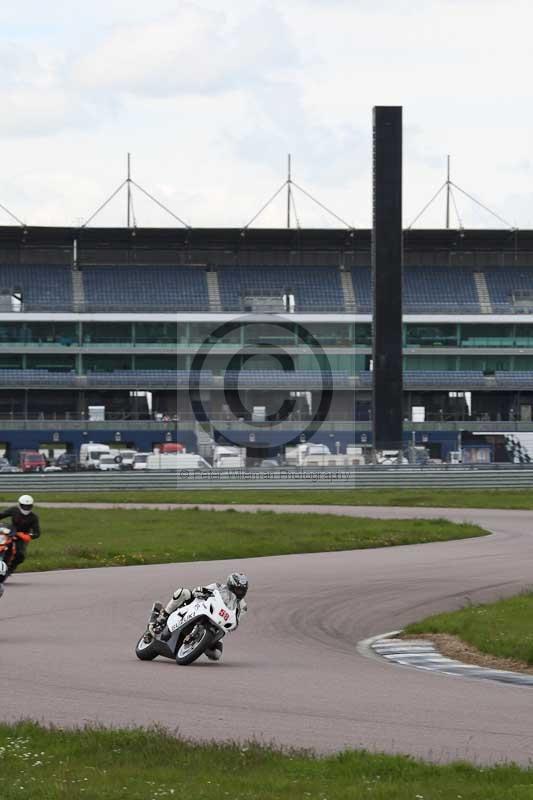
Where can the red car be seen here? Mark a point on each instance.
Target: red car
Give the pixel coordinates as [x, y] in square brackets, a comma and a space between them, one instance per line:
[31, 461]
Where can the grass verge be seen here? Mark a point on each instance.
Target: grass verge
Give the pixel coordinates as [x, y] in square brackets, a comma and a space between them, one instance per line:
[76, 538]
[51, 764]
[439, 498]
[502, 629]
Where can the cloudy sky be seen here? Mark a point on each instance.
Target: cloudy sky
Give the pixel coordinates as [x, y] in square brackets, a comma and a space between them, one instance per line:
[209, 98]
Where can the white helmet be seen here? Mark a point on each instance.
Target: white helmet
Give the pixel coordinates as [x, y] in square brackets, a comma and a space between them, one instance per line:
[3, 569]
[25, 502]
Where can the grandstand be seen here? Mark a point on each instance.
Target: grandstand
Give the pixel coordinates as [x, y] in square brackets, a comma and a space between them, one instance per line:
[132, 319]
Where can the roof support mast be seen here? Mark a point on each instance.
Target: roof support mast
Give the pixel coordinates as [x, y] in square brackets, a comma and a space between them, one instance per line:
[448, 190]
[289, 190]
[128, 184]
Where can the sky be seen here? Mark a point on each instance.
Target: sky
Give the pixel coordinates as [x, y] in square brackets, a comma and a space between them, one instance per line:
[209, 98]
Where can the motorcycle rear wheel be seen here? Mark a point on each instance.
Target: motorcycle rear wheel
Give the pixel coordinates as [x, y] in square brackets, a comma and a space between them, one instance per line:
[191, 649]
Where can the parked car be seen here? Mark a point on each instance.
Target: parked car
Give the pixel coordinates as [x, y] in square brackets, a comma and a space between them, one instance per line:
[269, 463]
[31, 461]
[7, 467]
[66, 461]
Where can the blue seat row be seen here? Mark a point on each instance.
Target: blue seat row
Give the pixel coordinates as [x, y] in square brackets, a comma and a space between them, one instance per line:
[154, 287]
[39, 284]
[310, 286]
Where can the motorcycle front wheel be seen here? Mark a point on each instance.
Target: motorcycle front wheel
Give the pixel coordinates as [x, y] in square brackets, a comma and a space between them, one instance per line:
[146, 651]
[193, 645]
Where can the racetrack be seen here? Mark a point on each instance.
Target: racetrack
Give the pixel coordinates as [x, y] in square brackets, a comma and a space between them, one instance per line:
[291, 674]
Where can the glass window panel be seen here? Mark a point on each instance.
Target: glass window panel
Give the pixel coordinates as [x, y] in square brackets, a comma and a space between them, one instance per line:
[106, 363]
[10, 362]
[200, 332]
[158, 362]
[269, 333]
[331, 334]
[64, 333]
[107, 333]
[52, 362]
[487, 335]
[431, 335]
[160, 333]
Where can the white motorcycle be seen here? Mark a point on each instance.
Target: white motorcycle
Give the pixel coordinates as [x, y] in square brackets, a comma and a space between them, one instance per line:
[190, 630]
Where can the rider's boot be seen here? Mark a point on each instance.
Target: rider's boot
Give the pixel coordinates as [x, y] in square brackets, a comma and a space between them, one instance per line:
[157, 625]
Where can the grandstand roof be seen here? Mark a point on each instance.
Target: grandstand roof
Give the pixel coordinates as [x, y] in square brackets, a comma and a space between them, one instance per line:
[102, 245]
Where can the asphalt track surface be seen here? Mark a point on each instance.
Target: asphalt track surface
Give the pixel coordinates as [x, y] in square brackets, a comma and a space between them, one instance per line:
[291, 675]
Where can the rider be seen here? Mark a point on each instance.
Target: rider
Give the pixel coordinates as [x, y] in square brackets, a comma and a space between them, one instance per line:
[3, 574]
[23, 520]
[233, 592]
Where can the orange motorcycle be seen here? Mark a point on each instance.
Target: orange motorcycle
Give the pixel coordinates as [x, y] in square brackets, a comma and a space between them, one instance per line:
[8, 547]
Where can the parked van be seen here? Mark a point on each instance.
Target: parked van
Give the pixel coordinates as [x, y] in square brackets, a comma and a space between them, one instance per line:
[107, 463]
[176, 461]
[227, 457]
[90, 454]
[125, 458]
[140, 460]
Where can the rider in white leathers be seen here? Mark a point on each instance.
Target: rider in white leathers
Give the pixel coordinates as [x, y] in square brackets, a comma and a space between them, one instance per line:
[233, 593]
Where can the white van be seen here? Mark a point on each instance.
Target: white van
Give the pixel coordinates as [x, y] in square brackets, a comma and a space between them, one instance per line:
[108, 463]
[126, 458]
[228, 457]
[176, 461]
[140, 460]
[90, 454]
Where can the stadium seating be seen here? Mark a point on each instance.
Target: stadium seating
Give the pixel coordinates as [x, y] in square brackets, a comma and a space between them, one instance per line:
[144, 378]
[171, 288]
[277, 378]
[429, 289]
[312, 287]
[362, 286]
[523, 380]
[467, 379]
[503, 282]
[448, 288]
[129, 287]
[148, 378]
[41, 286]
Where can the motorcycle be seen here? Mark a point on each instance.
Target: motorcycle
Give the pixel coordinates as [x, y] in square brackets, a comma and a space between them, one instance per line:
[190, 630]
[8, 546]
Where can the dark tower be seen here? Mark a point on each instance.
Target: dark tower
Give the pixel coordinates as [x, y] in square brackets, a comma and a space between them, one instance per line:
[387, 261]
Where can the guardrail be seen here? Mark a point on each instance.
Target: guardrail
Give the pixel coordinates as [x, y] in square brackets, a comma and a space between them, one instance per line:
[495, 476]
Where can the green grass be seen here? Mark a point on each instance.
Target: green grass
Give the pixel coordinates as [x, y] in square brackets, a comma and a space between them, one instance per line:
[445, 498]
[75, 538]
[500, 629]
[52, 764]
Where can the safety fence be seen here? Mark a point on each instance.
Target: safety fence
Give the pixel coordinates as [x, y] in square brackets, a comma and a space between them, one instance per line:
[493, 476]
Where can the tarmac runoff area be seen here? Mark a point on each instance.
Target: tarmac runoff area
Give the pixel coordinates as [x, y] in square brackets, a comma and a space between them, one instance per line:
[292, 674]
